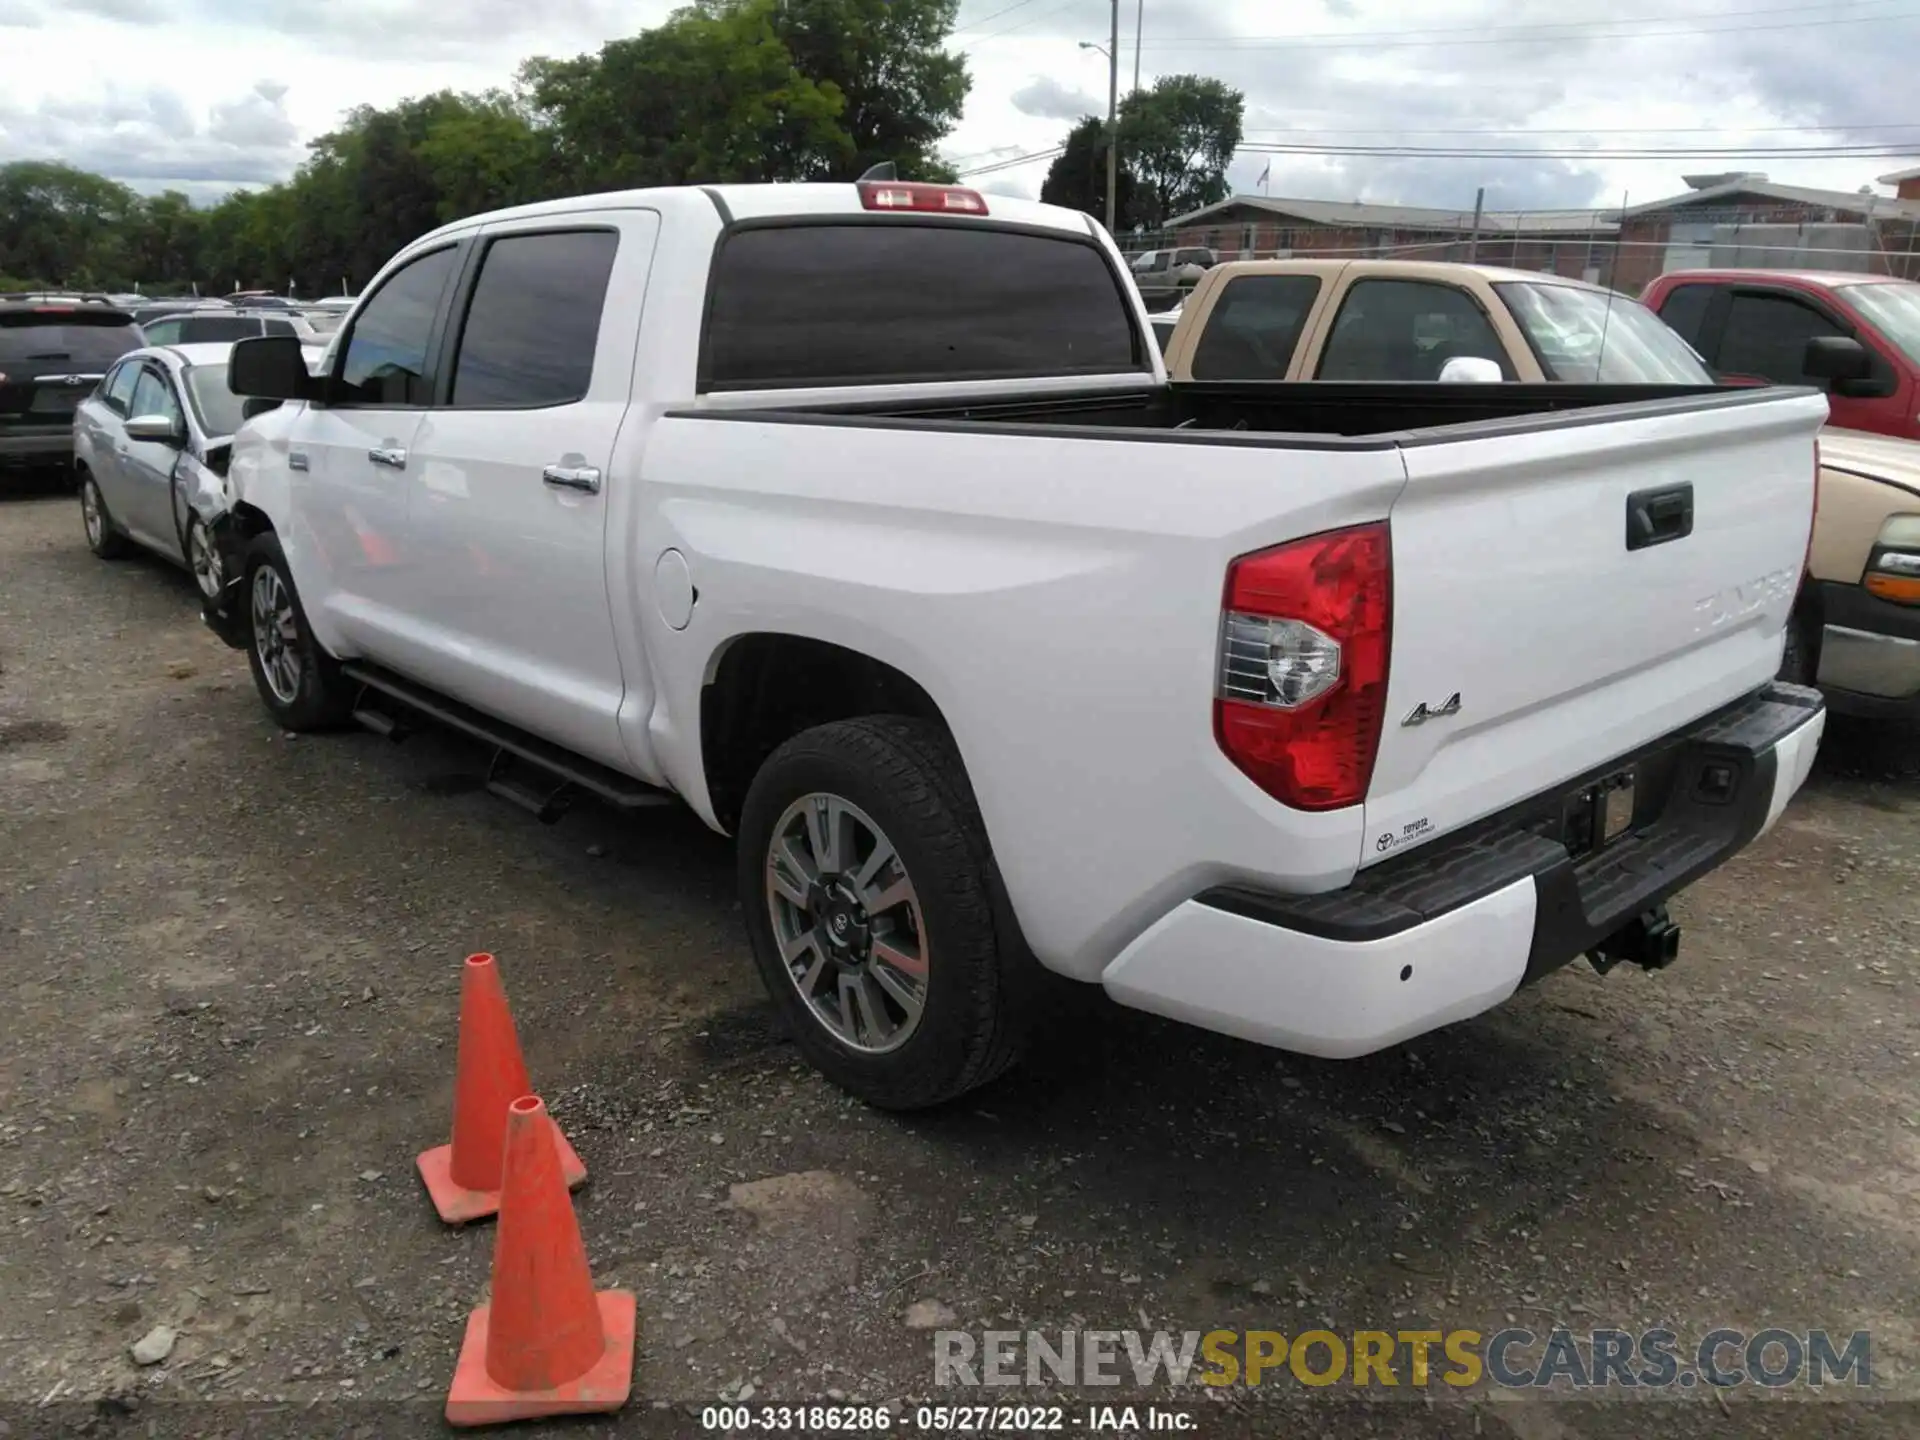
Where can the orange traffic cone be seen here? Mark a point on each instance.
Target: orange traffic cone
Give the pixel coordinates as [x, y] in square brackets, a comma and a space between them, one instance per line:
[464, 1178]
[548, 1344]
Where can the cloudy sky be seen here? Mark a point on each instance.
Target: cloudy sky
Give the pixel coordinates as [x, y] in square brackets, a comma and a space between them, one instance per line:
[209, 94]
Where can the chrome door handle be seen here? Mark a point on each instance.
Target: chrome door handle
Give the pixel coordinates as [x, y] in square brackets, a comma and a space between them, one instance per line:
[392, 456]
[573, 477]
[297, 460]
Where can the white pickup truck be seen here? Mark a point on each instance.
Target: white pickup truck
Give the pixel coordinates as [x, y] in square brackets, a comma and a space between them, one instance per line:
[865, 521]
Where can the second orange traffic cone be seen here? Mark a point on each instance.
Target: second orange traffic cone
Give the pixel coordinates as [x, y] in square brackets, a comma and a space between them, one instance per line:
[490, 1074]
[546, 1343]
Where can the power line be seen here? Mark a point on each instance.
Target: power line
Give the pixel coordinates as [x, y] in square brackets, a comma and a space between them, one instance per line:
[1420, 34]
[1485, 152]
[1020, 24]
[1013, 162]
[1390, 40]
[989, 19]
[1833, 129]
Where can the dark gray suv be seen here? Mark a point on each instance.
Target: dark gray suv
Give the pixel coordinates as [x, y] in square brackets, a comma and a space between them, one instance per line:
[51, 357]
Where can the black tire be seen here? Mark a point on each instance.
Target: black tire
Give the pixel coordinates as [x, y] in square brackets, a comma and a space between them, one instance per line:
[104, 538]
[316, 695]
[907, 776]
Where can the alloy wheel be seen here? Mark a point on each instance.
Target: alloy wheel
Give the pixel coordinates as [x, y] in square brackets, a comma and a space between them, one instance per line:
[204, 560]
[847, 922]
[90, 515]
[276, 635]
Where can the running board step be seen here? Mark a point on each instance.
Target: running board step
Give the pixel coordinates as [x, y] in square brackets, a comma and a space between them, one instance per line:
[385, 723]
[525, 770]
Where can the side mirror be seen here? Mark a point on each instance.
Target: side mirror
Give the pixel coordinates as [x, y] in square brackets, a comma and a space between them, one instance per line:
[271, 367]
[1470, 370]
[1836, 357]
[156, 430]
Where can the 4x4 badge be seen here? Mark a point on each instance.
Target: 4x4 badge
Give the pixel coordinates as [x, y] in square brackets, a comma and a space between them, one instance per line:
[1424, 712]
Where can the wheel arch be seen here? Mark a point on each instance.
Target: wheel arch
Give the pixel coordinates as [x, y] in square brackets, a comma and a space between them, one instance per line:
[764, 687]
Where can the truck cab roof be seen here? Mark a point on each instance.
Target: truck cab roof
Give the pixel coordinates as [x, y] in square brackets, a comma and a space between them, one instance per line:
[763, 202]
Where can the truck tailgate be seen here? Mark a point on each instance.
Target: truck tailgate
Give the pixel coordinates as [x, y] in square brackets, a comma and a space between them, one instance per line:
[1565, 593]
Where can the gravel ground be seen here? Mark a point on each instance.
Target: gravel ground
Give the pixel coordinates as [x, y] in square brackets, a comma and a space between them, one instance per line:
[232, 960]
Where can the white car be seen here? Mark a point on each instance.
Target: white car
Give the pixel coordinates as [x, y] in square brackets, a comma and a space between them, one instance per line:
[862, 520]
[150, 450]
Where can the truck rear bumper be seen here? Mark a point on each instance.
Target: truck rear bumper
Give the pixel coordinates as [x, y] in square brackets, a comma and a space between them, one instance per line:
[1453, 928]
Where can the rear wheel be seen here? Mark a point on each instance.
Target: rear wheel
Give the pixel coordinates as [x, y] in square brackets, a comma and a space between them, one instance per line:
[104, 538]
[299, 683]
[867, 884]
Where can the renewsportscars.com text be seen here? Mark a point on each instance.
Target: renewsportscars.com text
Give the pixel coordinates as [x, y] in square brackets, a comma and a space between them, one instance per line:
[1512, 1358]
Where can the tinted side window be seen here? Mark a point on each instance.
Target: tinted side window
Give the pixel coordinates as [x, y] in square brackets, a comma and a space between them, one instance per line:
[889, 303]
[278, 327]
[119, 386]
[1254, 327]
[1406, 330]
[153, 396]
[1767, 335]
[1685, 309]
[163, 332]
[534, 320]
[385, 359]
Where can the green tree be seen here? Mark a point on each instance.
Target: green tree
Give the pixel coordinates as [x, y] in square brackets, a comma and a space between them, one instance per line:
[1078, 175]
[710, 95]
[729, 90]
[901, 91]
[163, 239]
[64, 226]
[1177, 140]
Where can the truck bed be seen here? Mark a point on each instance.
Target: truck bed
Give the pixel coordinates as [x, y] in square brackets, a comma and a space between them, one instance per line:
[1320, 413]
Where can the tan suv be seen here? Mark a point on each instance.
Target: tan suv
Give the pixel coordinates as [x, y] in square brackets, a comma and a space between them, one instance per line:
[1405, 319]
[1858, 624]
[1856, 630]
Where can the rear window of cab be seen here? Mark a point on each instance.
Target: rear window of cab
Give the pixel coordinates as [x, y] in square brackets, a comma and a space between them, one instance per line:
[796, 306]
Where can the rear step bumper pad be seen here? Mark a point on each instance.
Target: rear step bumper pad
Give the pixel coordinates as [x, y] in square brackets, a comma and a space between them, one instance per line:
[1455, 927]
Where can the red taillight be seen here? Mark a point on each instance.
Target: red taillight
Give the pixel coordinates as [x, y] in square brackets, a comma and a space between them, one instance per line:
[912, 195]
[1303, 666]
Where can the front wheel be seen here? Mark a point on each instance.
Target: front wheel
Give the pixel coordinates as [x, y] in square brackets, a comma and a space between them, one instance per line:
[203, 559]
[299, 683]
[866, 879]
[103, 536]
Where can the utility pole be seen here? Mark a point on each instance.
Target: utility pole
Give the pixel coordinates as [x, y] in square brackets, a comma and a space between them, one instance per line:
[1479, 209]
[1112, 51]
[1139, 12]
[1113, 118]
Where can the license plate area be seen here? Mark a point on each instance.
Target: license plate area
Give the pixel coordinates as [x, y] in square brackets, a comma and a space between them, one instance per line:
[1599, 813]
[57, 400]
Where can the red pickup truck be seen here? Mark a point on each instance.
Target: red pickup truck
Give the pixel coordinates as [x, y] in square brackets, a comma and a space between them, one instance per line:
[1856, 336]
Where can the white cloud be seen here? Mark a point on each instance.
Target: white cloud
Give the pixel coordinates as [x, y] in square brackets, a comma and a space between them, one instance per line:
[131, 12]
[1047, 99]
[153, 138]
